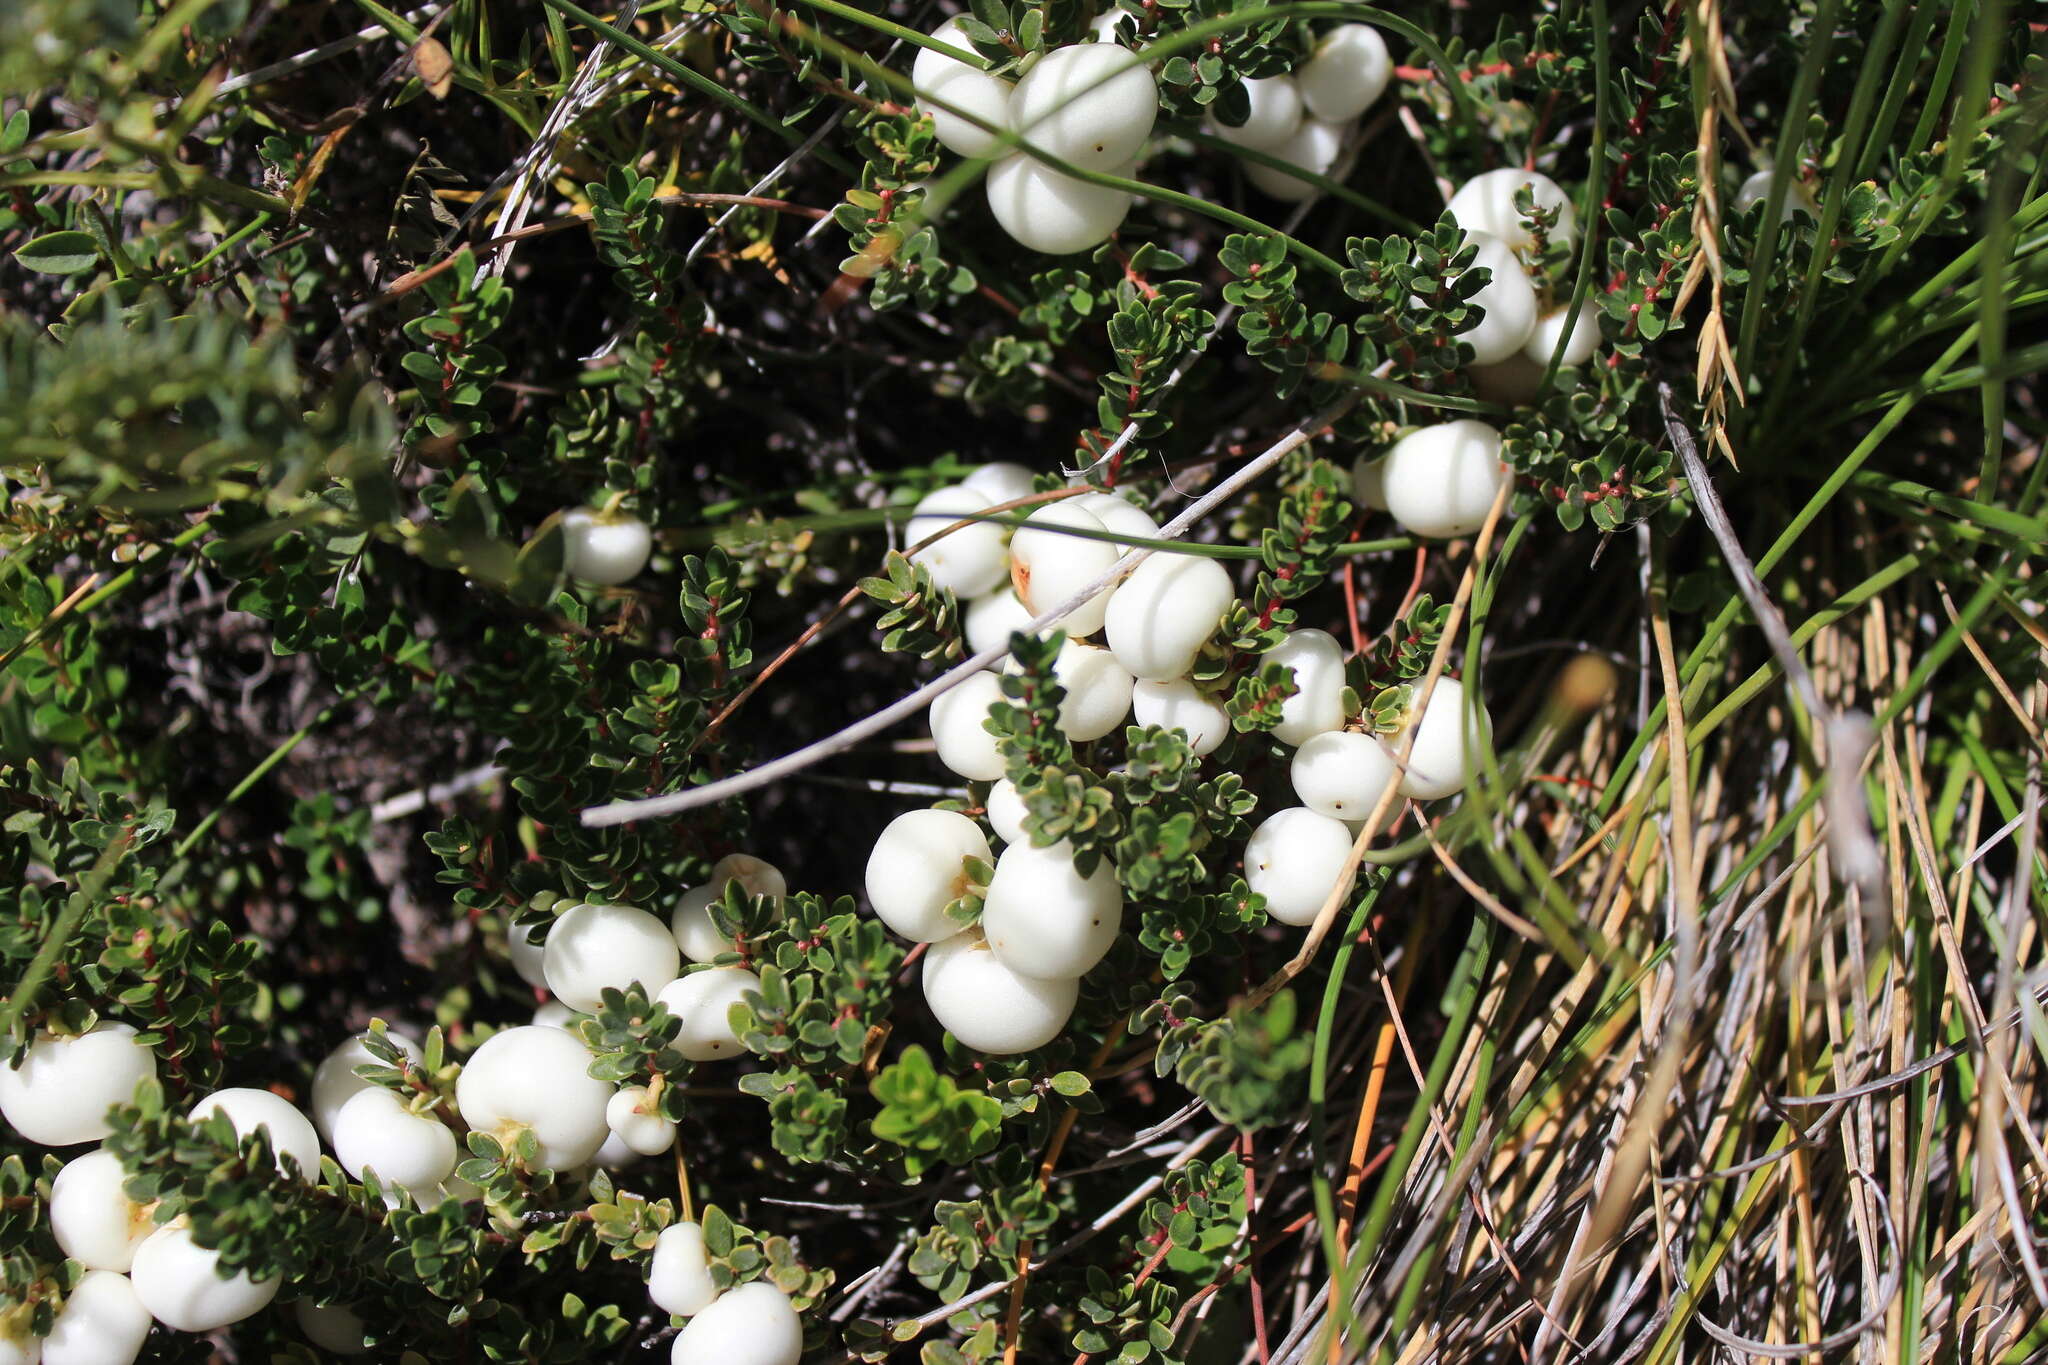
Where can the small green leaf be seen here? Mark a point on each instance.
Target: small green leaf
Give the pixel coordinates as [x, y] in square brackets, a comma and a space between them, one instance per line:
[59, 253]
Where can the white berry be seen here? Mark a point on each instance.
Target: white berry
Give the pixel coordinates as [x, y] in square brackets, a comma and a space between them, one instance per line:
[1441, 481]
[635, 1120]
[1486, 203]
[378, 1130]
[592, 947]
[1006, 812]
[179, 1282]
[696, 933]
[94, 1220]
[1275, 115]
[1294, 860]
[970, 560]
[1507, 301]
[1180, 705]
[969, 89]
[17, 1347]
[1162, 614]
[1350, 69]
[539, 1079]
[1317, 662]
[679, 1275]
[554, 1014]
[987, 1006]
[754, 1324]
[918, 867]
[1001, 481]
[1341, 773]
[60, 1094]
[993, 619]
[336, 1082]
[1447, 744]
[1757, 187]
[1368, 483]
[1047, 566]
[1091, 104]
[604, 550]
[1097, 686]
[1049, 211]
[1314, 147]
[292, 1135]
[1585, 338]
[102, 1323]
[527, 946]
[704, 1001]
[964, 745]
[331, 1327]
[1044, 919]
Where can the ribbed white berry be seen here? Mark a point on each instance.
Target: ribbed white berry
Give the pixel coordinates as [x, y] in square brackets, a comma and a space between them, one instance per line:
[636, 1121]
[1294, 859]
[1486, 203]
[1447, 744]
[335, 1082]
[94, 1220]
[1341, 773]
[1317, 662]
[1001, 480]
[1098, 690]
[1091, 104]
[754, 1324]
[331, 1327]
[1050, 211]
[604, 550]
[679, 1274]
[1368, 482]
[704, 1001]
[970, 560]
[1313, 147]
[614, 1154]
[1507, 299]
[956, 716]
[292, 1135]
[102, 1322]
[554, 1014]
[1350, 69]
[1160, 616]
[1006, 812]
[1180, 705]
[987, 1006]
[936, 77]
[592, 947]
[918, 867]
[1442, 480]
[1044, 919]
[1275, 115]
[992, 619]
[378, 1130]
[1585, 338]
[1119, 515]
[537, 1078]
[179, 1282]
[60, 1094]
[1047, 566]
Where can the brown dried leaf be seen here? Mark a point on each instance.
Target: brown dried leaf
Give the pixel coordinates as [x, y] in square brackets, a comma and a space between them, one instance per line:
[436, 69]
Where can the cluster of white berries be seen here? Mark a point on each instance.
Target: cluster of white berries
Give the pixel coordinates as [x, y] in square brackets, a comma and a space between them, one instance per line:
[1011, 984]
[1302, 117]
[529, 1079]
[1092, 105]
[752, 1324]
